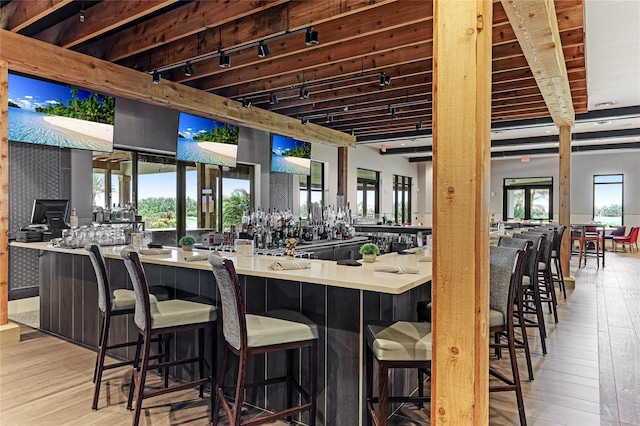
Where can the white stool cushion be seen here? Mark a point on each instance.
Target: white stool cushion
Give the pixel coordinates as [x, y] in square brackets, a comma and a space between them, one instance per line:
[122, 299]
[277, 327]
[554, 253]
[171, 313]
[542, 266]
[526, 280]
[496, 318]
[126, 299]
[400, 341]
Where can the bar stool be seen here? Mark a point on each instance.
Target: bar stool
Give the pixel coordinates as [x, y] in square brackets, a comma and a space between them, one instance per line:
[160, 318]
[557, 274]
[110, 304]
[248, 334]
[401, 344]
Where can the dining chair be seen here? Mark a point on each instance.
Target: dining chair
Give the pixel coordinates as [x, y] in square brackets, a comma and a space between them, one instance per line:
[155, 318]
[506, 266]
[631, 239]
[619, 231]
[248, 335]
[580, 235]
[111, 303]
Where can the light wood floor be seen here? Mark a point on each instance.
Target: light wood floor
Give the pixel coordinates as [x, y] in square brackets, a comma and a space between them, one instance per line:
[590, 376]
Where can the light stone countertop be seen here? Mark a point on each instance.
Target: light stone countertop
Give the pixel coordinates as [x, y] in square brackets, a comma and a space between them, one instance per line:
[324, 272]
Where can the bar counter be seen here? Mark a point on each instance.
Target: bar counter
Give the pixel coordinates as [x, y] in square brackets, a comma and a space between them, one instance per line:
[340, 299]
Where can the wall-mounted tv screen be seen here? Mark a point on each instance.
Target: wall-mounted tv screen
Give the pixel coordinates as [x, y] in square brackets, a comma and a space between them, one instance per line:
[52, 114]
[204, 140]
[289, 155]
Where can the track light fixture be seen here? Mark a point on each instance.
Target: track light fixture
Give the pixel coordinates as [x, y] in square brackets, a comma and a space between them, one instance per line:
[225, 60]
[329, 118]
[419, 125]
[304, 93]
[311, 38]
[304, 121]
[385, 80]
[246, 103]
[263, 50]
[82, 15]
[156, 77]
[189, 70]
[391, 110]
[353, 132]
[273, 99]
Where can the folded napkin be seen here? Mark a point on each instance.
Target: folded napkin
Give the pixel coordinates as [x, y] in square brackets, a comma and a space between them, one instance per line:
[285, 266]
[349, 262]
[154, 251]
[196, 257]
[425, 259]
[396, 269]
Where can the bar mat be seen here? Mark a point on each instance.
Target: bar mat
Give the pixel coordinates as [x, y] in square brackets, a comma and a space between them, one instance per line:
[196, 258]
[154, 251]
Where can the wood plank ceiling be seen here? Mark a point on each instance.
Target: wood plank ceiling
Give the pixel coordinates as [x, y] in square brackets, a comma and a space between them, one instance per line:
[360, 42]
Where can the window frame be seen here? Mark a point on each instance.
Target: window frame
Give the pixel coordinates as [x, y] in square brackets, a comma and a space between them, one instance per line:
[593, 199]
[401, 186]
[527, 195]
[366, 182]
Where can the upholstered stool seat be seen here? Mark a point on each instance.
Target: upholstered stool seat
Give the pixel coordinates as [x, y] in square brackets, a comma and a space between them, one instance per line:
[174, 313]
[279, 327]
[123, 299]
[400, 341]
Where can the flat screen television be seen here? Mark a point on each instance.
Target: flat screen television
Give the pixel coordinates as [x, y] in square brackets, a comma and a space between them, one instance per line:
[46, 113]
[54, 213]
[289, 155]
[204, 140]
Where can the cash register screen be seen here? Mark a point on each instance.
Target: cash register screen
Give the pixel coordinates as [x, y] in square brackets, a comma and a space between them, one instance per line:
[54, 213]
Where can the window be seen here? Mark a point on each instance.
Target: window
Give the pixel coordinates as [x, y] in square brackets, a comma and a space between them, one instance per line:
[528, 199]
[235, 195]
[311, 189]
[112, 179]
[368, 193]
[401, 199]
[607, 199]
[157, 191]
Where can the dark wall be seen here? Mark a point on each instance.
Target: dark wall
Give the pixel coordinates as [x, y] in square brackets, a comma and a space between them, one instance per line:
[35, 171]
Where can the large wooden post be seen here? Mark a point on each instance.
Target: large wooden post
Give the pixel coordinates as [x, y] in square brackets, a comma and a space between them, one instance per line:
[4, 192]
[565, 199]
[343, 163]
[461, 170]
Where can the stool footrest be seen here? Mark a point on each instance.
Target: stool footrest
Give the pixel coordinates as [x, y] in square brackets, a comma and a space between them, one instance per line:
[176, 388]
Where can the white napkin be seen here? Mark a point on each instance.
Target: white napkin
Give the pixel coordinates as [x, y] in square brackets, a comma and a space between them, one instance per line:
[397, 269]
[285, 266]
[154, 251]
[196, 257]
[425, 259]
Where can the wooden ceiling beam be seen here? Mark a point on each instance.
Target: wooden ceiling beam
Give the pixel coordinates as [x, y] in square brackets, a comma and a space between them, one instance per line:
[182, 22]
[334, 35]
[19, 14]
[536, 26]
[40, 59]
[99, 19]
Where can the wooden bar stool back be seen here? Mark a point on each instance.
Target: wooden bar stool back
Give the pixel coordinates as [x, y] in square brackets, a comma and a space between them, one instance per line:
[248, 334]
[164, 317]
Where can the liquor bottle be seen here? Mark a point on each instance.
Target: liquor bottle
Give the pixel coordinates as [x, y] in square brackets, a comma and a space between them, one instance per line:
[73, 219]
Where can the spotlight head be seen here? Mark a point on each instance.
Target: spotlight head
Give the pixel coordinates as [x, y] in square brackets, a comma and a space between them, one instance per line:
[391, 110]
[263, 50]
[419, 125]
[304, 121]
[246, 103]
[82, 15]
[353, 132]
[387, 80]
[311, 38]
[189, 70]
[382, 79]
[329, 118]
[156, 77]
[273, 99]
[304, 93]
[225, 60]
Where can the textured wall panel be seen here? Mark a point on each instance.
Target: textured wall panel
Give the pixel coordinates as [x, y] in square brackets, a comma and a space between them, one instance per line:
[281, 184]
[34, 172]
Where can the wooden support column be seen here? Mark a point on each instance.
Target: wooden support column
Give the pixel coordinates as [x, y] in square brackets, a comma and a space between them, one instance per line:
[461, 171]
[4, 192]
[565, 198]
[343, 163]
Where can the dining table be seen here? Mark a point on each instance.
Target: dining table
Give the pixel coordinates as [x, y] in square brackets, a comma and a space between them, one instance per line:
[600, 228]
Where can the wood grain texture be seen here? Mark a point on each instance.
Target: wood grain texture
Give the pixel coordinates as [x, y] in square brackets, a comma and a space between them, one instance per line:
[4, 192]
[461, 170]
[22, 13]
[565, 194]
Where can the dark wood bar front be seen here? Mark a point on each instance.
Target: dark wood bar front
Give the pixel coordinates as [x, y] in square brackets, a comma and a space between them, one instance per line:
[68, 298]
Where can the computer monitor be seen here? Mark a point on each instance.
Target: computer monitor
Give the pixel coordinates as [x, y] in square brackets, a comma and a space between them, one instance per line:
[53, 213]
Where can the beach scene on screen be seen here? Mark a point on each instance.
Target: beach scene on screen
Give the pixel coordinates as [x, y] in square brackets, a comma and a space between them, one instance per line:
[290, 155]
[204, 140]
[51, 114]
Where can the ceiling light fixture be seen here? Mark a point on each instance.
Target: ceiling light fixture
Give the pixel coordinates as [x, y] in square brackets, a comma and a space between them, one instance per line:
[263, 50]
[189, 71]
[419, 125]
[391, 110]
[246, 103]
[304, 93]
[311, 38]
[329, 118]
[273, 99]
[304, 121]
[81, 15]
[385, 80]
[156, 77]
[225, 60]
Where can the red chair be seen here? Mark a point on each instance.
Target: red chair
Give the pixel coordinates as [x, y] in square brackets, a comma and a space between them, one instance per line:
[632, 239]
